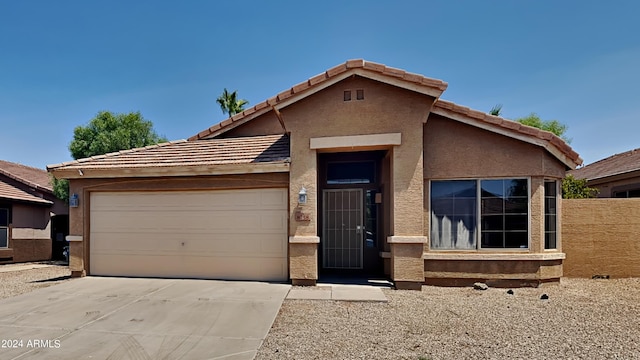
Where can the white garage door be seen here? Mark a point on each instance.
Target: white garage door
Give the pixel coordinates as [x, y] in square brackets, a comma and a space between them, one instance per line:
[222, 234]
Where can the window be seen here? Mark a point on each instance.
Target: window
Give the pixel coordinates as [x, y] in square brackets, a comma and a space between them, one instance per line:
[505, 213]
[4, 227]
[496, 211]
[453, 214]
[362, 172]
[633, 193]
[550, 214]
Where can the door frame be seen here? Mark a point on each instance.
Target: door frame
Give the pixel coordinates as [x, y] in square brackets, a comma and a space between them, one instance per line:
[372, 264]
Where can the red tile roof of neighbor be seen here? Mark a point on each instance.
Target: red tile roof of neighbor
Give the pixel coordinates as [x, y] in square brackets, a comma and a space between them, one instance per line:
[617, 164]
[246, 150]
[33, 178]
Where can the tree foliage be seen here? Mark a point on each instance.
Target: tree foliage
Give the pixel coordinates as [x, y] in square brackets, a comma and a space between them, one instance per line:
[105, 133]
[573, 188]
[553, 126]
[229, 102]
[60, 188]
[109, 132]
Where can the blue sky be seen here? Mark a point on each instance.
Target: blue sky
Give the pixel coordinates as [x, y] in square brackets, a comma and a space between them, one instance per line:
[63, 61]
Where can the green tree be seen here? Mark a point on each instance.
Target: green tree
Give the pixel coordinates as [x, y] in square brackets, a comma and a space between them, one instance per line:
[230, 104]
[105, 133]
[573, 188]
[553, 126]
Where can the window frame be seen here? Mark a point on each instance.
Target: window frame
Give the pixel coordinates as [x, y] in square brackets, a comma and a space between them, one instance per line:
[6, 227]
[557, 215]
[478, 230]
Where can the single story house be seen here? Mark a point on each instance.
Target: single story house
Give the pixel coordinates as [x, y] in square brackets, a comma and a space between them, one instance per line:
[32, 220]
[617, 176]
[360, 169]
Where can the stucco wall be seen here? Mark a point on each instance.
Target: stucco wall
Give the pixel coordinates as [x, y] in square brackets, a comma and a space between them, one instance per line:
[30, 232]
[620, 183]
[601, 237]
[385, 109]
[456, 150]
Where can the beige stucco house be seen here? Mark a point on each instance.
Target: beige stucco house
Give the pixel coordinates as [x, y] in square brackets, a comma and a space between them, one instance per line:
[617, 176]
[33, 222]
[360, 169]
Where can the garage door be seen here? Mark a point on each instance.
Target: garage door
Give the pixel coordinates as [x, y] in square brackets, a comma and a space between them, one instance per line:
[222, 234]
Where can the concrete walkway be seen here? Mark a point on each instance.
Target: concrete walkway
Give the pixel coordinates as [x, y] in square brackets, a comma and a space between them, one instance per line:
[338, 292]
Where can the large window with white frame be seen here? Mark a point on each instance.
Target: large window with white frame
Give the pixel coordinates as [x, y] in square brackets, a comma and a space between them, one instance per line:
[4, 228]
[479, 214]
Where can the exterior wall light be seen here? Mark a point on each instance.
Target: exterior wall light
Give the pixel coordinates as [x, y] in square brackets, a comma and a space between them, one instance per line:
[74, 200]
[302, 196]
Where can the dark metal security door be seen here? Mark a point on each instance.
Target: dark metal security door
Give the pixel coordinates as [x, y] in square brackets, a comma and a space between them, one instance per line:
[342, 228]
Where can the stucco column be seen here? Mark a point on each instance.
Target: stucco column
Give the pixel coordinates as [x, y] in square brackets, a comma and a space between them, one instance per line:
[407, 241]
[303, 218]
[537, 214]
[77, 263]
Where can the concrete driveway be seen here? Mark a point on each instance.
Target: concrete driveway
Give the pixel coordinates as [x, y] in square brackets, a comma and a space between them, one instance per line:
[122, 318]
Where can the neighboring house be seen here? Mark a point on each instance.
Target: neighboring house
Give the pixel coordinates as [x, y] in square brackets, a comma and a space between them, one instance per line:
[30, 215]
[617, 176]
[360, 169]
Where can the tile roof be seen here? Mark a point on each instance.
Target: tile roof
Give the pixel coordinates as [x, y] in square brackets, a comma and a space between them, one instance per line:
[552, 142]
[30, 176]
[357, 66]
[182, 153]
[617, 164]
[11, 192]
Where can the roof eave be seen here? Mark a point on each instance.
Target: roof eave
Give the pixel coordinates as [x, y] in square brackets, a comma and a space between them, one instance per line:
[39, 202]
[77, 172]
[613, 176]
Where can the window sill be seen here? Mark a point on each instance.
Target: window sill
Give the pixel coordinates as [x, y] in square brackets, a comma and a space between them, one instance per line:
[493, 257]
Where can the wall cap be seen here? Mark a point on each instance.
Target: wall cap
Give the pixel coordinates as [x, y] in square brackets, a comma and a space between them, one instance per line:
[304, 239]
[493, 257]
[406, 239]
[73, 238]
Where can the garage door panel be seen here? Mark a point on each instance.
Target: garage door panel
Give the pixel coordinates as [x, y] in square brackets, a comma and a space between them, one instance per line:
[223, 245]
[194, 200]
[159, 221]
[236, 268]
[156, 233]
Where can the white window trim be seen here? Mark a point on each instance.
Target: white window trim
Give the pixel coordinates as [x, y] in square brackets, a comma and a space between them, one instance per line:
[478, 234]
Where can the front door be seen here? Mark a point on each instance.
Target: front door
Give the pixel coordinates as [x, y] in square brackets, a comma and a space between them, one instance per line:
[343, 229]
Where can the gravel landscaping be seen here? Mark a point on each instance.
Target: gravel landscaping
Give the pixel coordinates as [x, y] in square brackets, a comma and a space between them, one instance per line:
[582, 318]
[23, 281]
